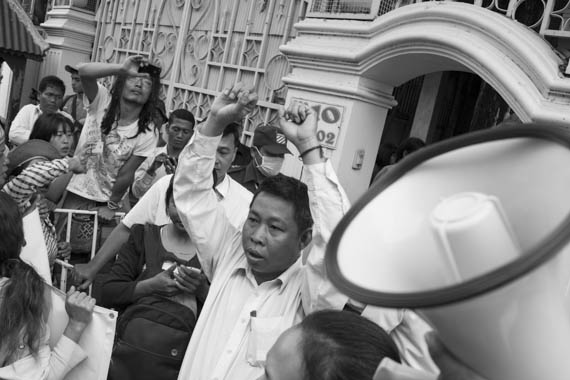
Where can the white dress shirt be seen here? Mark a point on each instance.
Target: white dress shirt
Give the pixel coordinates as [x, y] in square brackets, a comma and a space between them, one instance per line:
[241, 320]
[23, 123]
[151, 208]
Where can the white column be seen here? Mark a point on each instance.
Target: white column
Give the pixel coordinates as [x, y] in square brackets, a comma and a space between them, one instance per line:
[70, 33]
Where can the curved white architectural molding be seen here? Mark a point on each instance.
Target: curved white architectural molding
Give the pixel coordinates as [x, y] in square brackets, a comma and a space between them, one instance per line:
[429, 37]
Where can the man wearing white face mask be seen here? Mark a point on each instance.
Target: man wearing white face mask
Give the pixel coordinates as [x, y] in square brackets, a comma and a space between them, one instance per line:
[268, 152]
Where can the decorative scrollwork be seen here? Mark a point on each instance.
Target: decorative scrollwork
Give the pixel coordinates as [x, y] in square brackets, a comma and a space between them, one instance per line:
[217, 50]
[251, 53]
[275, 70]
[109, 48]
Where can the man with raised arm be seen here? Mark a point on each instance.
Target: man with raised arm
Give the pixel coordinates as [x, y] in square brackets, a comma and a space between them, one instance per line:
[259, 284]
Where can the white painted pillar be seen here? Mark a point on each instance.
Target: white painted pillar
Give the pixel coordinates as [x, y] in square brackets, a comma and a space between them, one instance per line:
[70, 33]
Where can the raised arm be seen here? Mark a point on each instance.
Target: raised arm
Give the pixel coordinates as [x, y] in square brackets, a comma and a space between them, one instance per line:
[90, 72]
[328, 203]
[195, 199]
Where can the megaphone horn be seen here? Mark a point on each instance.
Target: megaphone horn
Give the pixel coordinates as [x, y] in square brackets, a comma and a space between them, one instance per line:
[472, 231]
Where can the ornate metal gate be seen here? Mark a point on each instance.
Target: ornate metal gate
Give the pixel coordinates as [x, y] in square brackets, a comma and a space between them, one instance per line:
[204, 46]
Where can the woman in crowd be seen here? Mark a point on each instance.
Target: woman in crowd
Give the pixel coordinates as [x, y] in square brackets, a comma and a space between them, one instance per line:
[33, 166]
[25, 303]
[56, 129]
[330, 345]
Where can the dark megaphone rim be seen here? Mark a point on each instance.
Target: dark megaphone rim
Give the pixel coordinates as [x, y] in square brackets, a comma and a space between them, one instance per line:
[542, 252]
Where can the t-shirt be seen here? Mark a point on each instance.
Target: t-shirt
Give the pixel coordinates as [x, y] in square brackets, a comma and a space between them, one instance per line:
[107, 154]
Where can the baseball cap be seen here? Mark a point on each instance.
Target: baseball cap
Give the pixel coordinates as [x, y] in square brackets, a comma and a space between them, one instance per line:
[29, 151]
[271, 139]
[71, 69]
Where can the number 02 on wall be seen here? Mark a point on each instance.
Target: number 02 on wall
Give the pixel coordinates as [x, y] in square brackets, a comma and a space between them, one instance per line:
[329, 119]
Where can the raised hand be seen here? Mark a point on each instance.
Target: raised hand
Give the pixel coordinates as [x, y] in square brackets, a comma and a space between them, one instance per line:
[232, 105]
[299, 124]
[132, 64]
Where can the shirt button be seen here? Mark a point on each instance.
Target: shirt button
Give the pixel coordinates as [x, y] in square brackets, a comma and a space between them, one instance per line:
[228, 352]
[243, 320]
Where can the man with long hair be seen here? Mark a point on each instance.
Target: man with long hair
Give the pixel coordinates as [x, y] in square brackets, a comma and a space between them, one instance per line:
[118, 135]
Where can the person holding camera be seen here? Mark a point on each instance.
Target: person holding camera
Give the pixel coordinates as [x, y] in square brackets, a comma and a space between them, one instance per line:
[179, 130]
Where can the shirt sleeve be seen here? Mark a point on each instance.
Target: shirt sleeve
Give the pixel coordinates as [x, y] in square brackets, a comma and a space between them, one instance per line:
[197, 203]
[143, 181]
[38, 175]
[328, 203]
[64, 357]
[149, 208]
[21, 127]
[146, 143]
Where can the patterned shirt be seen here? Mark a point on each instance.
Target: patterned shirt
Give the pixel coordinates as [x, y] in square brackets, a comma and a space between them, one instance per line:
[107, 154]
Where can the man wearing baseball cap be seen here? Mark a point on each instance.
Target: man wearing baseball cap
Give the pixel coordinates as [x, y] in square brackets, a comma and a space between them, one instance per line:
[73, 104]
[268, 152]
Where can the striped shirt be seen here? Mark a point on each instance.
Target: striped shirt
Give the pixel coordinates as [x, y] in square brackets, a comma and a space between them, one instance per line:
[25, 186]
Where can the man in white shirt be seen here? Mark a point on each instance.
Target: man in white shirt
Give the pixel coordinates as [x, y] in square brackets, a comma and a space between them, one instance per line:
[151, 208]
[178, 132]
[51, 91]
[259, 284]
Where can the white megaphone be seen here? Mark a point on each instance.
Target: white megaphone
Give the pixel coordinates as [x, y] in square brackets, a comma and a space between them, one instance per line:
[473, 233]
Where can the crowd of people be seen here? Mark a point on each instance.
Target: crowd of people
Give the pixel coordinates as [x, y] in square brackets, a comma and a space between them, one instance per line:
[217, 267]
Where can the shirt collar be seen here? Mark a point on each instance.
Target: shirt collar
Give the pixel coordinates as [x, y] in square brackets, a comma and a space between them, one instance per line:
[223, 187]
[283, 279]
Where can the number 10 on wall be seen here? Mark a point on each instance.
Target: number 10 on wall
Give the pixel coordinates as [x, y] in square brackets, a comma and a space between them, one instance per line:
[329, 119]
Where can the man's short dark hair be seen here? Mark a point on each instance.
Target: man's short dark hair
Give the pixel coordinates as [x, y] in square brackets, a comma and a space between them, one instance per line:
[51, 81]
[343, 345]
[182, 114]
[233, 129]
[290, 190]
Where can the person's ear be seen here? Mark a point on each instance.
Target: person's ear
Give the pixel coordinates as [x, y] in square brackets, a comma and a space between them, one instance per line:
[305, 239]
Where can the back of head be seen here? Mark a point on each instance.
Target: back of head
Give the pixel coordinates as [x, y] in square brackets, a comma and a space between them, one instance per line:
[23, 305]
[51, 81]
[293, 191]
[47, 124]
[339, 345]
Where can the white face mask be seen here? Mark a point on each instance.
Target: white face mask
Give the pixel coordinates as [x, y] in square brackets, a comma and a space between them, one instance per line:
[270, 166]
